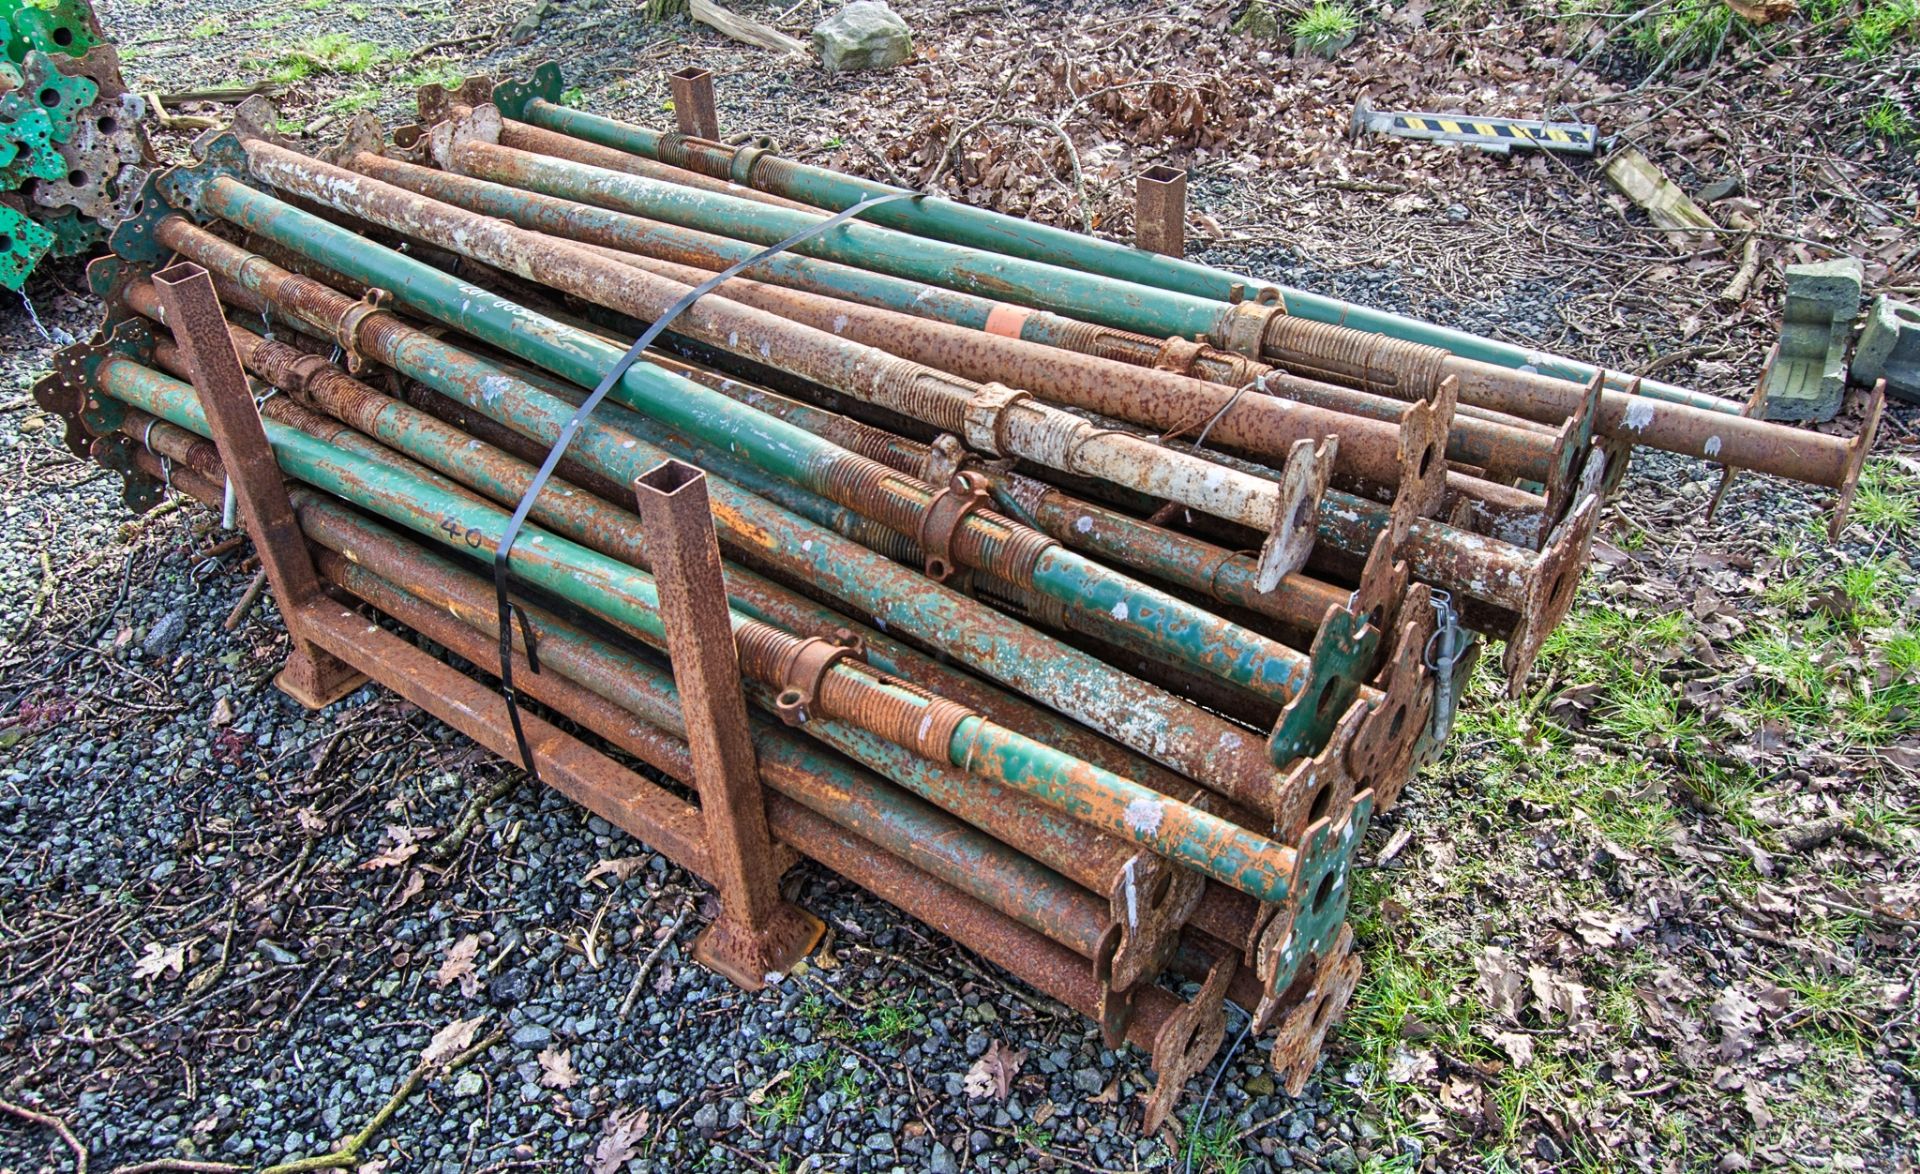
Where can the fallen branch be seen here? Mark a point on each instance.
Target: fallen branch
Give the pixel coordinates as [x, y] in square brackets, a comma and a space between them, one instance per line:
[646, 964]
[348, 1155]
[49, 1121]
[182, 1165]
[740, 28]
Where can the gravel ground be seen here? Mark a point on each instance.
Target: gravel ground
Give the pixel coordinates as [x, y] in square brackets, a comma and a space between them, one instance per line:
[231, 926]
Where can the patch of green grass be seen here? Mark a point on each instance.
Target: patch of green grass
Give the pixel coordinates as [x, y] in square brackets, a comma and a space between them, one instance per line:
[1405, 983]
[1626, 802]
[1888, 499]
[1879, 717]
[1787, 662]
[362, 99]
[1646, 711]
[1033, 1137]
[1328, 21]
[790, 1100]
[208, 28]
[1214, 1148]
[572, 96]
[315, 5]
[340, 53]
[357, 11]
[1880, 25]
[274, 21]
[290, 126]
[891, 1022]
[1889, 122]
[1686, 32]
[441, 74]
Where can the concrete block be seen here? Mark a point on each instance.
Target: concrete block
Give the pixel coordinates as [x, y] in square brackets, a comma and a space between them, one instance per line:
[1809, 376]
[1890, 349]
[866, 34]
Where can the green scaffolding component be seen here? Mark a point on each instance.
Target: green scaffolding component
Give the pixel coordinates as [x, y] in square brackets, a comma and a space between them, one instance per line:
[536, 100]
[22, 244]
[46, 88]
[64, 27]
[73, 234]
[35, 156]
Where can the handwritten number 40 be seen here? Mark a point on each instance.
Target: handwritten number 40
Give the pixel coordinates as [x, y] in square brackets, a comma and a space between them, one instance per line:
[471, 535]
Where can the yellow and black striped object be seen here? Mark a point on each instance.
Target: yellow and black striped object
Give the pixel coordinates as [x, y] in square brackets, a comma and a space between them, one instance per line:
[1495, 134]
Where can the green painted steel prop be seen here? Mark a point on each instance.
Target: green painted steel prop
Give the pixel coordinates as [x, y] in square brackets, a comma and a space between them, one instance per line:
[536, 100]
[1185, 738]
[1316, 688]
[1231, 855]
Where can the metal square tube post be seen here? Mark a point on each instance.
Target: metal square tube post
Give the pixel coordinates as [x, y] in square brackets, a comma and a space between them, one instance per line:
[693, 106]
[313, 676]
[758, 935]
[1160, 211]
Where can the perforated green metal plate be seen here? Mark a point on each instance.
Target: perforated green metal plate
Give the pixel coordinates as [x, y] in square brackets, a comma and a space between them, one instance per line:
[22, 244]
[35, 157]
[62, 97]
[50, 26]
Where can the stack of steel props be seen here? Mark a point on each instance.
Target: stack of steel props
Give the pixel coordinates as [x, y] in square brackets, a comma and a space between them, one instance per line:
[1118, 833]
[1504, 390]
[71, 142]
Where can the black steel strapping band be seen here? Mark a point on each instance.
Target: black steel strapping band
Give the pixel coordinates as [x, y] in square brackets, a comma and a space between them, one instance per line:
[503, 553]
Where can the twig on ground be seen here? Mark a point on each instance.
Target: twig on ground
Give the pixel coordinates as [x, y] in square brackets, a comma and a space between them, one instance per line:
[348, 1155]
[182, 1165]
[49, 1121]
[248, 598]
[646, 964]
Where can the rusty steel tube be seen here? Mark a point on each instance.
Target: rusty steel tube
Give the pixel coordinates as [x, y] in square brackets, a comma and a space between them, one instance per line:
[1162, 727]
[1012, 424]
[1263, 425]
[1178, 1035]
[931, 726]
[635, 705]
[1097, 862]
[988, 542]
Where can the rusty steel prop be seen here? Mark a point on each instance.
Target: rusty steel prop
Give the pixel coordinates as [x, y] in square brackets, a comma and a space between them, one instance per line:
[1316, 686]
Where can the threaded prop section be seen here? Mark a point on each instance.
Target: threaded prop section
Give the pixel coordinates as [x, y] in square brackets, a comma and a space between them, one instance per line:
[1217, 366]
[873, 490]
[1008, 550]
[904, 714]
[764, 651]
[1340, 354]
[1122, 346]
[924, 394]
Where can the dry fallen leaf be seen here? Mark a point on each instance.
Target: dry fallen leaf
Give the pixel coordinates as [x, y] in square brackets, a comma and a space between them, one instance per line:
[459, 966]
[222, 713]
[1108, 1095]
[1517, 1045]
[1501, 982]
[620, 1143]
[159, 959]
[992, 1074]
[556, 1068]
[620, 870]
[451, 1040]
[1739, 1020]
[402, 843]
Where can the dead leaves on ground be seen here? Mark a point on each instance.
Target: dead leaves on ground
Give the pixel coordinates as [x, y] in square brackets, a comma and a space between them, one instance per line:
[625, 1133]
[157, 960]
[450, 1041]
[460, 966]
[556, 1068]
[993, 1073]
